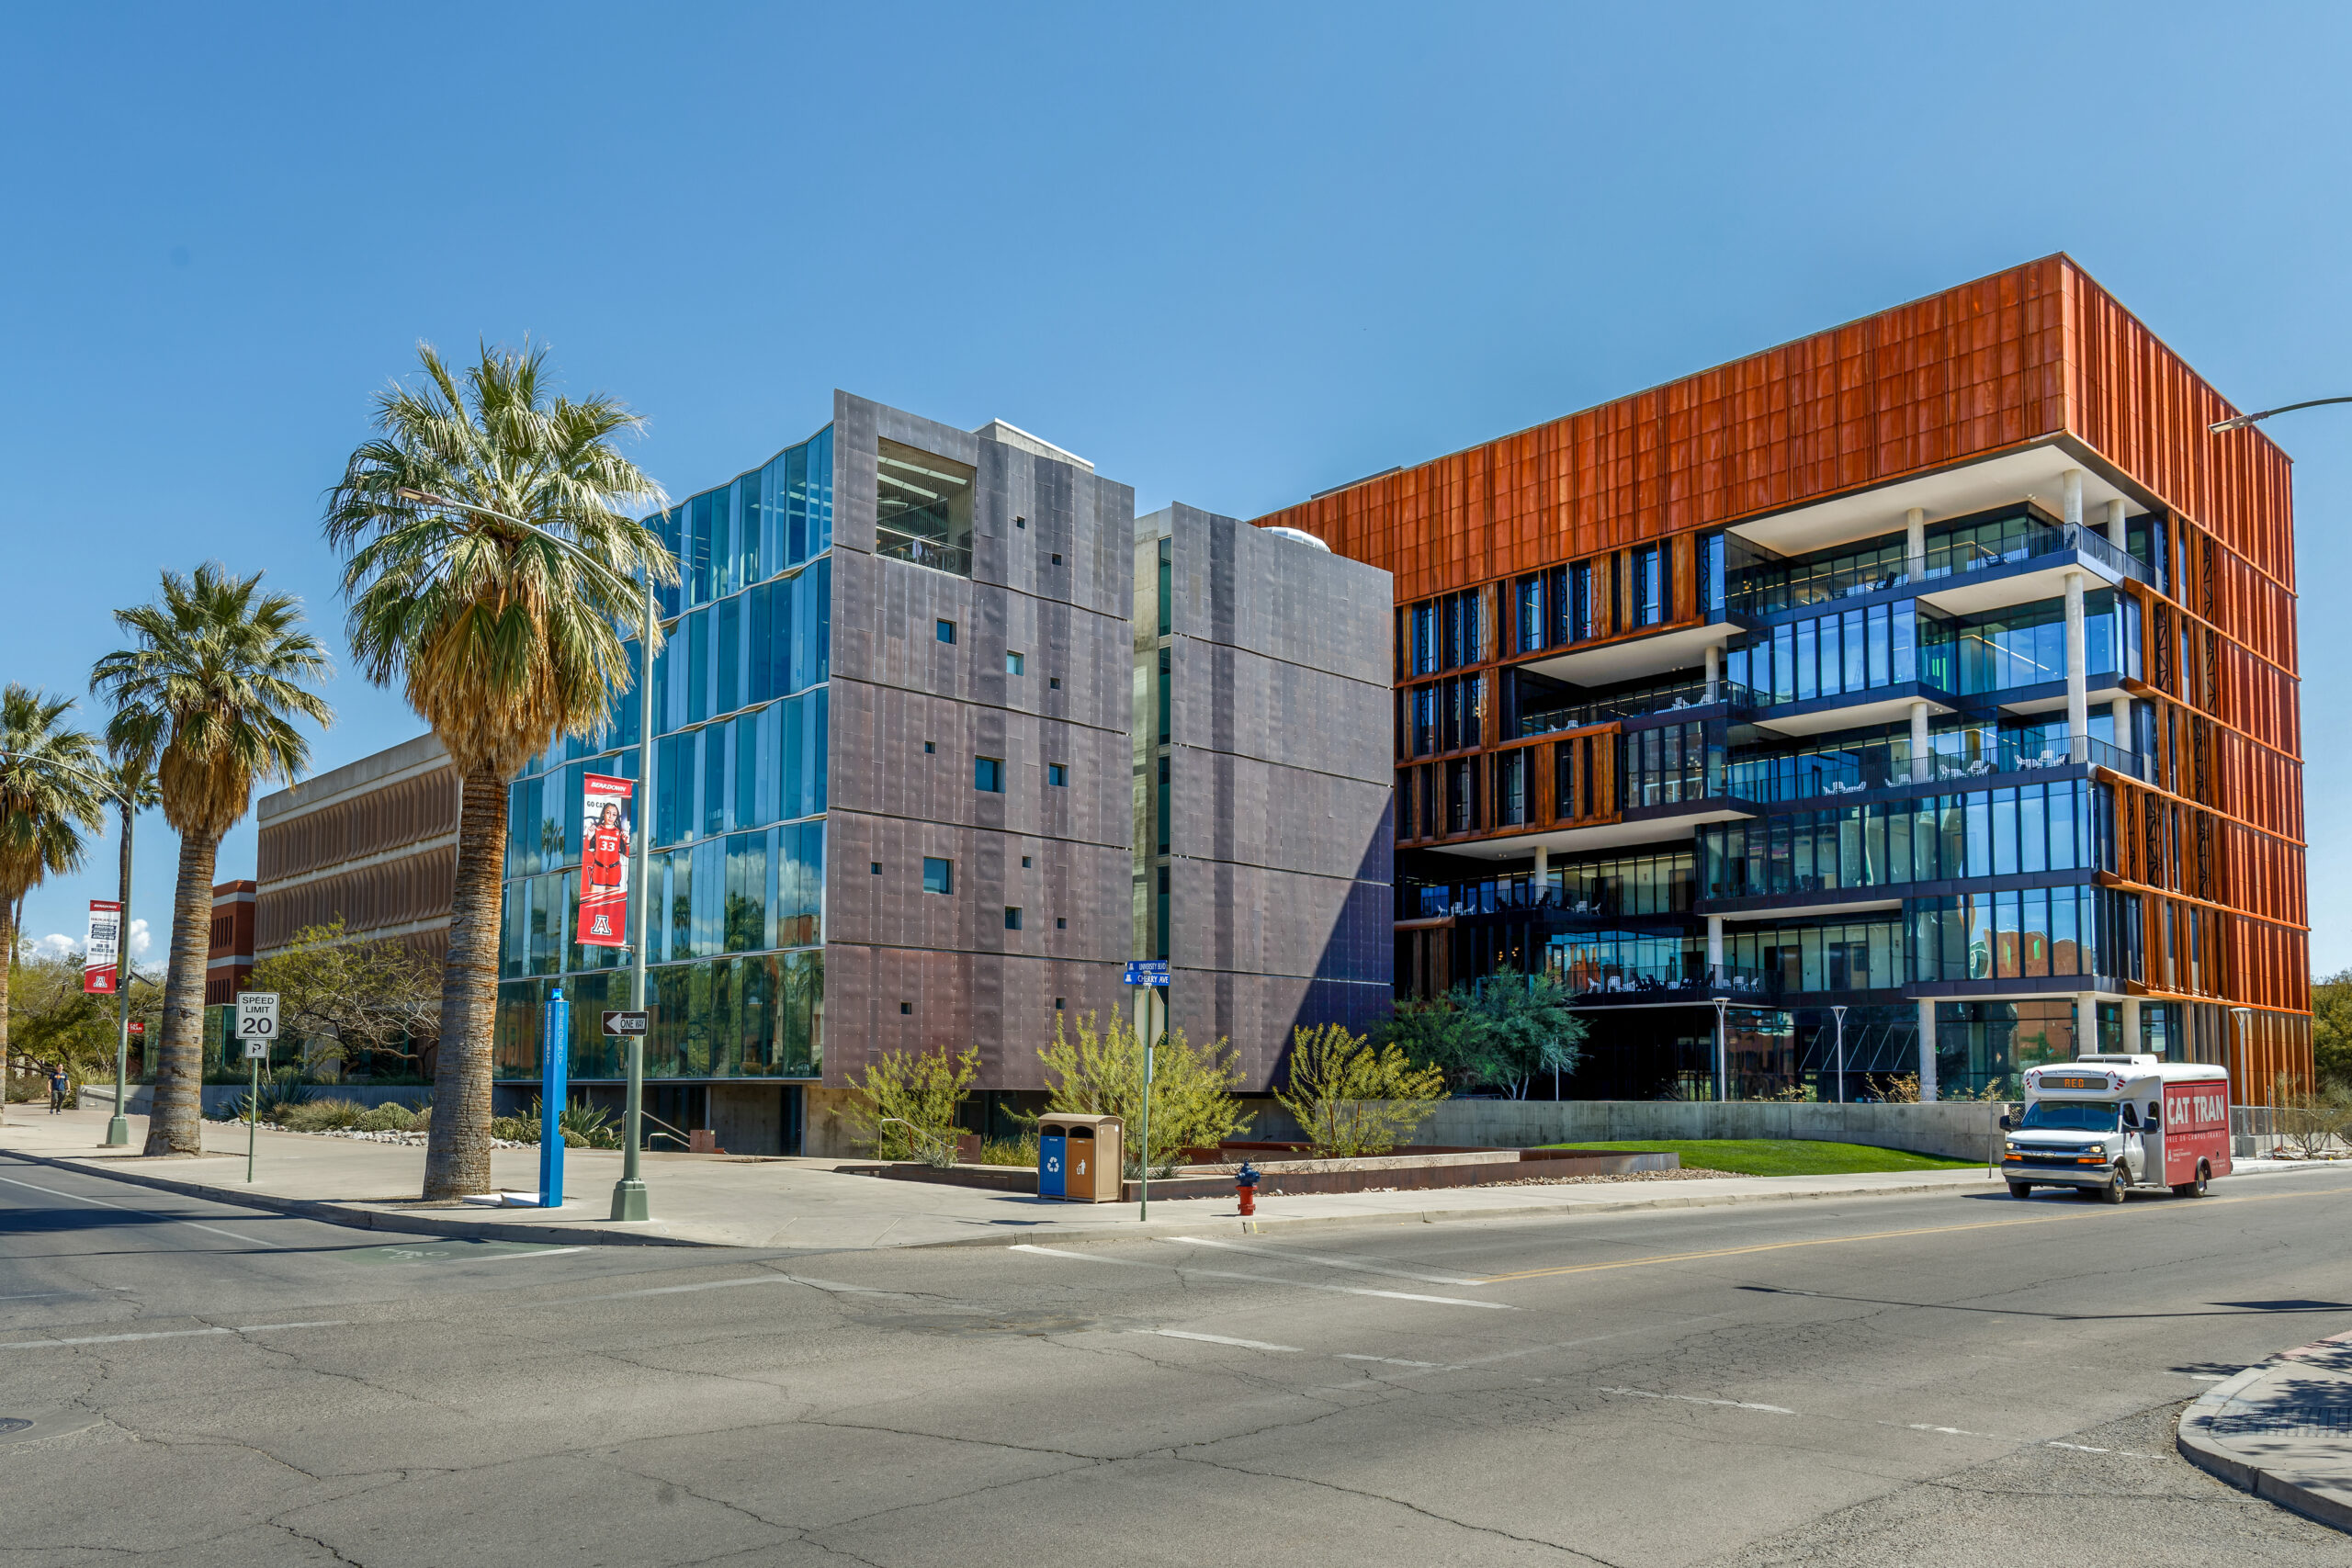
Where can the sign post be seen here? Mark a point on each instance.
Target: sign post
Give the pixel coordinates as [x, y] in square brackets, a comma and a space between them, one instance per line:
[1151, 972]
[555, 1088]
[101, 975]
[256, 1027]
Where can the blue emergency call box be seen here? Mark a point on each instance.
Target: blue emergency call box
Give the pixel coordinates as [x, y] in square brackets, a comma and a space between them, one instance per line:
[1053, 1160]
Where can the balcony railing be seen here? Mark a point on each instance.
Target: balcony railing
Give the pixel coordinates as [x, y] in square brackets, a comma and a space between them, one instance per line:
[1883, 764]
[1690, 694]
[1669, 982]
[1790, 592]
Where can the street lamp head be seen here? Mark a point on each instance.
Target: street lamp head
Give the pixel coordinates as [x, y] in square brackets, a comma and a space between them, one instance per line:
[422, 497]
[2242, 421]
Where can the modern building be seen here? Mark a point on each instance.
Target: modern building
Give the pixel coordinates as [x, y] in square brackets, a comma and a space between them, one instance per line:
[373, 845]
[891, 782]
[1263, 844]
[229, 961]
[1918, 699]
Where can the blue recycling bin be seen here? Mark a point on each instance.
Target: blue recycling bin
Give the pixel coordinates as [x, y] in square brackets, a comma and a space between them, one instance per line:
[1053, 1166]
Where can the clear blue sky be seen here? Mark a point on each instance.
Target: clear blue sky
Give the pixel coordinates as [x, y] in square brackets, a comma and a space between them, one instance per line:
[1231, 253]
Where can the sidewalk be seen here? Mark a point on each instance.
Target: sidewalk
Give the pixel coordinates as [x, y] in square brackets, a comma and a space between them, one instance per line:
[2282, 1430]
[727, 1200]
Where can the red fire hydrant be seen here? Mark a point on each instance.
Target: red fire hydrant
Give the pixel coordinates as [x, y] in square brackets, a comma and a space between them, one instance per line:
[1245, 1187]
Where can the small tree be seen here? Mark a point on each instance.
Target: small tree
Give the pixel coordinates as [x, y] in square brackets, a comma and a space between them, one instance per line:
[1503, 1032]
[907, 1104]
[1353, 1098]
[2310, 1117]
[352, 1003]
[1101, 1074]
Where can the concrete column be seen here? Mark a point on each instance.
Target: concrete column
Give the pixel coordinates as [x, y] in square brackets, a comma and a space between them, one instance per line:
[1714, 949]
[1715, 672]
[2078, 713]
[2122, 708]
[1915, 525]
[1926, 1050]
[2085, 1023]
[1920, 772]
[2071, 485]
[2115, 520]
[1542, 871]
[2130, 1025]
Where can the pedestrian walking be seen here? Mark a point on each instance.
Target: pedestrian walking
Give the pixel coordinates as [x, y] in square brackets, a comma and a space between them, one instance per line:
[58, 1087]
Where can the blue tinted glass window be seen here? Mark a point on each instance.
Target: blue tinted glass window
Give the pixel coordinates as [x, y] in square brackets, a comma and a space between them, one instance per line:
[938, 875]
[697, 563]
[713, 779]
[820, 491]
[731, 655]
[818, 745]
[1057, 773]
[988, 773]
[751, 505]
[822, 608]
[795, 505]
[698, 629]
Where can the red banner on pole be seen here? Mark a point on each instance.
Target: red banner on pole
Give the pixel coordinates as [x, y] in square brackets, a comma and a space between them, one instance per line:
[102, 951]
[605, 858]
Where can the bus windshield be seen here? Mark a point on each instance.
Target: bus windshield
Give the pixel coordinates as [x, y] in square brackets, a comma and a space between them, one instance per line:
[2070, 1116]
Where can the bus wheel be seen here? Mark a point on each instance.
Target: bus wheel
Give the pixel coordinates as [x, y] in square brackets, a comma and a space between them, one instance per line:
[2196, 1188]
[2113, 1191]
[2020, 1188]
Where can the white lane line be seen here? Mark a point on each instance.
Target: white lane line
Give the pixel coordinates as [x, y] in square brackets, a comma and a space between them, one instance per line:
[1327, 1260]
[502, 1256]
[1219, 1339]
[1393, 1361]
[168, 1333]
[2003, 1438]
[832, 1286]
[151, 1213]
[1264, 1279]
[1694, 1399]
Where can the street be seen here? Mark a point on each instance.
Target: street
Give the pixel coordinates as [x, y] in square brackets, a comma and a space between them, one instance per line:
[1933, 1379]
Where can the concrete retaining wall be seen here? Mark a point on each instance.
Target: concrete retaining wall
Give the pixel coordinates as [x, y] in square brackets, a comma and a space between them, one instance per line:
[1956, 1128]
[220, 1096]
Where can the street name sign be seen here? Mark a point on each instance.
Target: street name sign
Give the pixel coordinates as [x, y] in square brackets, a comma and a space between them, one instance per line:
[1147, 972]
[624, 1022]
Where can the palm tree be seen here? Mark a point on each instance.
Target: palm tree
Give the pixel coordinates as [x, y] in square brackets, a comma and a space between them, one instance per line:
[210, 689]
[47, 799]
[499, 635]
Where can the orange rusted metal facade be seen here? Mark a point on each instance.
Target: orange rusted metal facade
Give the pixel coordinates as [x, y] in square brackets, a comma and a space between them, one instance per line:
[2208, 836]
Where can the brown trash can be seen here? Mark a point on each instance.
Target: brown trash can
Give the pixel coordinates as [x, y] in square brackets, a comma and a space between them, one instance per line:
[1095, 1157]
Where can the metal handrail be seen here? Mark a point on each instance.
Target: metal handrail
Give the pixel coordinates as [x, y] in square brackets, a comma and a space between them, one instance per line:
[683, 1140]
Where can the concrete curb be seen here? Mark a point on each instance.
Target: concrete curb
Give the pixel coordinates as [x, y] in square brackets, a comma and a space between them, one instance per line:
[2198, 1445]
[1265, 1224]
[360, 1216]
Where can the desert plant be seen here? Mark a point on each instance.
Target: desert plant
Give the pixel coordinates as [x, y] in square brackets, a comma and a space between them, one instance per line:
[356, 1004]
[321, 1115]
[1503, 1031]
[1100, 1073]
[907, 1104]
[277, 1097]
[1350, 1097]
[455, 520]
[47, 800]
[211, 688]
[390, 1117]
[2312, 1118]
[1893, 1088]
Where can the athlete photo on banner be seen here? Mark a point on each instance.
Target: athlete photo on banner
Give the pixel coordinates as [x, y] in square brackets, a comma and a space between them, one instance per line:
[603, 868]
[102, 951]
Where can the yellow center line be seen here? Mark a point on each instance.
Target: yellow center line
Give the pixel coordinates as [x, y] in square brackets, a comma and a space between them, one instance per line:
[1840, 1240]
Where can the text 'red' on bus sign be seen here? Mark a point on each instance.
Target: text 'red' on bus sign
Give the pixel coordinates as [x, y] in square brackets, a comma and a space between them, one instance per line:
[102, 951]
[604, 872]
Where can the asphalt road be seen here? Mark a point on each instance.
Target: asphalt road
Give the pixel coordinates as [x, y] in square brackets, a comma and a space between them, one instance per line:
[1945, 1380]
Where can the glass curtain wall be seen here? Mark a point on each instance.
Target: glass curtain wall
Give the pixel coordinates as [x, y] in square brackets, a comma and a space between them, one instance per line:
[1994, 832]
[736, 854]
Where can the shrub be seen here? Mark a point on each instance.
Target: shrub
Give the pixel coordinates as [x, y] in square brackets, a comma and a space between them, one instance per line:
[516, 1129]
[1021, 1151]
[390, 1117]
[321, 1115]
[1101, 1074]
[907, 1105]
[1353, 1098]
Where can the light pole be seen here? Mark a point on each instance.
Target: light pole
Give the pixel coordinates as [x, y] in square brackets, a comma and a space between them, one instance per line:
[1722, 1073]
[2248, 420]
[118, 1124]
[629, 1201]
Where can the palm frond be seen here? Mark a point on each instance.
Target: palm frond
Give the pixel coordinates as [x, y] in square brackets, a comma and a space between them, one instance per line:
[46, 800]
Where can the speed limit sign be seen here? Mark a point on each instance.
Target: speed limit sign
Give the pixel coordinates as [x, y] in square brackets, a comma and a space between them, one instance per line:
[257, 1022]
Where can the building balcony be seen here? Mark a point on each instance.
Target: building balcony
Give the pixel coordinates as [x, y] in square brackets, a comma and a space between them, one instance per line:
[1960, 579]
[1703, 700]
[1666, 985]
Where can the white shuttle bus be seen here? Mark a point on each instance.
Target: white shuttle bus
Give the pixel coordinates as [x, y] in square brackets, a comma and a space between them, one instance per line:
[2108, 1125]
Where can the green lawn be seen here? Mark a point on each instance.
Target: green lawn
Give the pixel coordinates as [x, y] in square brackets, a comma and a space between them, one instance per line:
[1782, 1156]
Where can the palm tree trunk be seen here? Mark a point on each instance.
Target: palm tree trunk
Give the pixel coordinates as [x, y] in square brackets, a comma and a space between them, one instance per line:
[457, 1154]
[175, 1120]
[8, 972]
